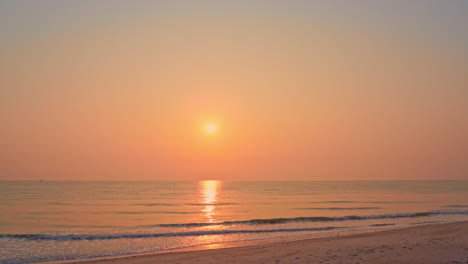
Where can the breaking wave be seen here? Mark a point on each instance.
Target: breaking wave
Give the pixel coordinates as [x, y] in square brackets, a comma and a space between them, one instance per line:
[318, 219]
[151, 235]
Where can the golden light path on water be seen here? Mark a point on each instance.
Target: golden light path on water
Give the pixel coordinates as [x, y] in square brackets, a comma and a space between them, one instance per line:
[209, 196]
[209, 191]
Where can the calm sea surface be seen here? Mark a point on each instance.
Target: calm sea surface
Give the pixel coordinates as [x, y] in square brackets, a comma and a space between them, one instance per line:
[43, 221]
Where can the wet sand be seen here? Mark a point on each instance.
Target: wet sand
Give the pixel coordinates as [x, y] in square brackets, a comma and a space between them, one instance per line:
[437, 243]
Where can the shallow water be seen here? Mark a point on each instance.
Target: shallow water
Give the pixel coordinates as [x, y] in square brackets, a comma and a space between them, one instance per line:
[68, 220]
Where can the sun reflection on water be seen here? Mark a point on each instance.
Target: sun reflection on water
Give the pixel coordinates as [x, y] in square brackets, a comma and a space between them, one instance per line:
[209, 196]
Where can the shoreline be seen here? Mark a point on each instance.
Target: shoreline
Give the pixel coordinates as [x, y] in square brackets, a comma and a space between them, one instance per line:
[424, 244]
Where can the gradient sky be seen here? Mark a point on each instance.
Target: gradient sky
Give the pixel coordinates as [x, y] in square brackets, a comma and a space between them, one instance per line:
[299, 90]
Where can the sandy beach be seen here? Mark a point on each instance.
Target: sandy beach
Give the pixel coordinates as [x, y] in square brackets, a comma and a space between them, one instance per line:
[436, 243]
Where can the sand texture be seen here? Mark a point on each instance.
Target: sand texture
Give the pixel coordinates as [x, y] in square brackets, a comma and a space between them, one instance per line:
[437, 243]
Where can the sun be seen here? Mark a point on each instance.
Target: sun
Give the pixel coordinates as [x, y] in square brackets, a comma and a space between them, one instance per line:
[210, 128]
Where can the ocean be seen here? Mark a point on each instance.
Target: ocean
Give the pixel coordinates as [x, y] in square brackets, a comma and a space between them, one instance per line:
[46, 221]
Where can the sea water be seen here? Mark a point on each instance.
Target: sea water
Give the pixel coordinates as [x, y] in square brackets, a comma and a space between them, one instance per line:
[45, 221]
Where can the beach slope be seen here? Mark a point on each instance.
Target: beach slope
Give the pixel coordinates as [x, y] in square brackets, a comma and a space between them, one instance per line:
[437, 243]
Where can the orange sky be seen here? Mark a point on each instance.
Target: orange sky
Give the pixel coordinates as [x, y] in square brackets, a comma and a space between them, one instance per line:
[292, 99]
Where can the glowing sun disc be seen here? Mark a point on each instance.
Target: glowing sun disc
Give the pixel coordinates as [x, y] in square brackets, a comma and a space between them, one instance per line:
[210, 128]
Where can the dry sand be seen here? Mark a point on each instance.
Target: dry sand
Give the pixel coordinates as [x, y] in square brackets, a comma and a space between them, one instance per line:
[438, 243]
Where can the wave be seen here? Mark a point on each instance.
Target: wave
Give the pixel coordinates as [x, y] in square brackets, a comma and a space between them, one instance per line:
[318, 219]
[149, 212]
[363, 202]
[226, 232]
[172, 204]
[49, 213]
[383, 224]
[424, 222]
[208, 204]
[152, 235]
[120, 212]
[82, 204]
[156, 204]
[141, 204]
[339, 208]
[85, 226]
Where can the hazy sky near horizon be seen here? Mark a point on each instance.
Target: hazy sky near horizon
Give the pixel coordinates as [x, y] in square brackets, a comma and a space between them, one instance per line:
[298, 90]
